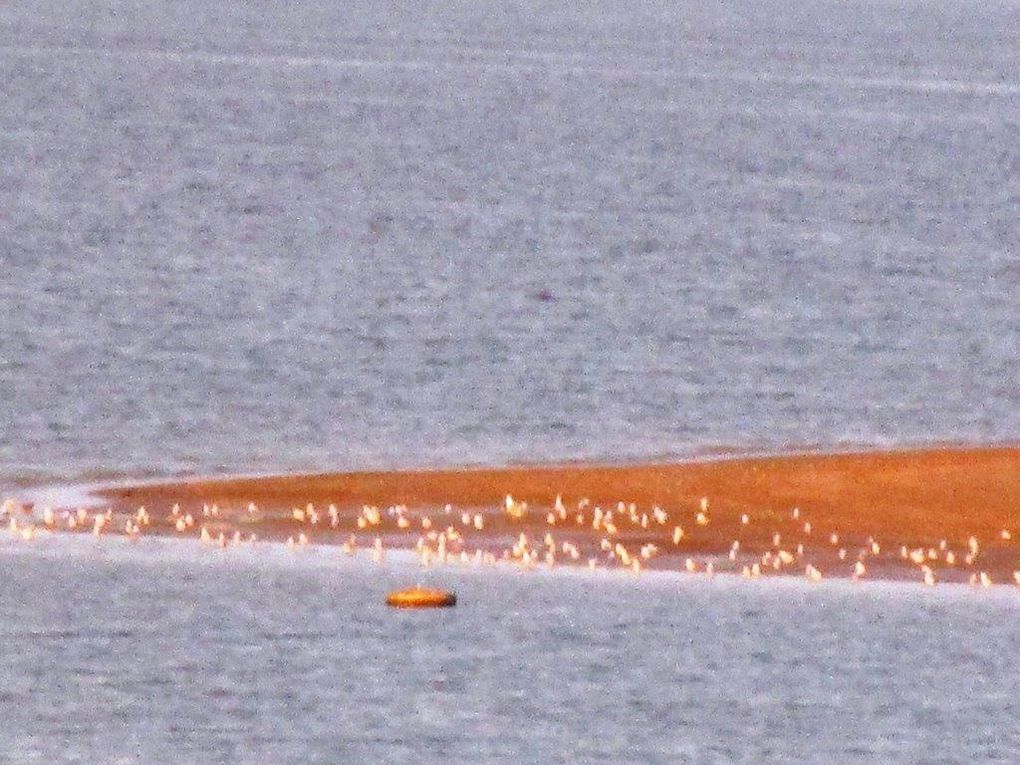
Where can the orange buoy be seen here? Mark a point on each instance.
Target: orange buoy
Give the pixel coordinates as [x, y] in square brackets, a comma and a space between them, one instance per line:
[421, 597]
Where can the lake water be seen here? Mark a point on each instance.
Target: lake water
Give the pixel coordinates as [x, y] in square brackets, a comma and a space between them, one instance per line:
[262, 655]
[273, 236]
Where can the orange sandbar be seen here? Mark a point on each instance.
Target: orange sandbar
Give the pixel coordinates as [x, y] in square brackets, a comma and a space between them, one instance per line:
[903, 499]
[912, 499]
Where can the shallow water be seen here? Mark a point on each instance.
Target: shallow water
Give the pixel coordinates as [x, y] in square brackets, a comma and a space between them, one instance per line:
[122, 654]
[247, 237]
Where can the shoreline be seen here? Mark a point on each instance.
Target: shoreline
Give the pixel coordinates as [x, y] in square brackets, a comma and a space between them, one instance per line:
[186, 552]
[882, 505]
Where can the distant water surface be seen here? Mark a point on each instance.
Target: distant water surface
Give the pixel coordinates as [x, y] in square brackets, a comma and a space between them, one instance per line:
[202, 656]
[269, 236]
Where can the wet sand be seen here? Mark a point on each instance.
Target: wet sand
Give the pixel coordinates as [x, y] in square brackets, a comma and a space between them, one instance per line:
[878, 503]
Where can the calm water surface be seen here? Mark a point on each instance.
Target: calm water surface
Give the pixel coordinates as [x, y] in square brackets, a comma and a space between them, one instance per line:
[267, 656]
[268, 236]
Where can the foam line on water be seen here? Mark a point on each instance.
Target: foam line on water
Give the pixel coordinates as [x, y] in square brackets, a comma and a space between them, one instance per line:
[929, 85]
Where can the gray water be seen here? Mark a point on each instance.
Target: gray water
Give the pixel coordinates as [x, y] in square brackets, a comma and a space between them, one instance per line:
[269, 236]
[262, 655]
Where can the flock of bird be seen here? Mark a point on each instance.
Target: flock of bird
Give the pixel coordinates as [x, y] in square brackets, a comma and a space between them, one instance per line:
[584, 534]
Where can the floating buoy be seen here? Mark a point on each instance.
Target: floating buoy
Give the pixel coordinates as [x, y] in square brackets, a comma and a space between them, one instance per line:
[421, 597]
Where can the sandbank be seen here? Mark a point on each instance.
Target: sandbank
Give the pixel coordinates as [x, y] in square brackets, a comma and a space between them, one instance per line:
[877, 504]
